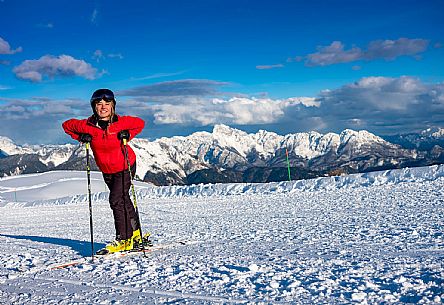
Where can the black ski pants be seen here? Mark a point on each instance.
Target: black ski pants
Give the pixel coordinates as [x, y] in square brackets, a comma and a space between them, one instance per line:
[125, 219]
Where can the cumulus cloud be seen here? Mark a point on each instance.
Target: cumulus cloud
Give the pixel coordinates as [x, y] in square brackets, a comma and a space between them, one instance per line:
[38, 120]
[381, 105]
[52, 66]
[200, 102]
[201, 111]
[5, 48]
[378, 49]
[384, 105]
[35, 107]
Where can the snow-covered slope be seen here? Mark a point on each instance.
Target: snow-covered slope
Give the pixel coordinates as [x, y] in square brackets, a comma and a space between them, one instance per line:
[55, 187]
[373, 238]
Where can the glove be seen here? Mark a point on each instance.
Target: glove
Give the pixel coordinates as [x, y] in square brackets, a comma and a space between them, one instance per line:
[123, 134]
[85, 137]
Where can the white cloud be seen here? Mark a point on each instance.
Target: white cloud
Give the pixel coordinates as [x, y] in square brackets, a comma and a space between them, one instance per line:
[381, 105]
[39, 120]
[384, 105]
[333, 54]
[98, 55]
[246, 111]
[94, 16]
[35, 108]
[378, 49]
[157, 75]
[176, 89]
[269, 67]
[236, 110]
[115, 55]
[5, 48]
[390, 49]
[52, 66]
[306, 101]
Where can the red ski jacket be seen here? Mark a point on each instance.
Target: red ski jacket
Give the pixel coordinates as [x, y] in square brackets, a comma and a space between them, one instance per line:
[107, 148]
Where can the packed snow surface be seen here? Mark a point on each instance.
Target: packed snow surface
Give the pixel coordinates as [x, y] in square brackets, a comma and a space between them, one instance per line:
[368, 238]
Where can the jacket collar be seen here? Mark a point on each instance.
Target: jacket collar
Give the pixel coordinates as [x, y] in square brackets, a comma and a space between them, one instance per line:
[92, 120]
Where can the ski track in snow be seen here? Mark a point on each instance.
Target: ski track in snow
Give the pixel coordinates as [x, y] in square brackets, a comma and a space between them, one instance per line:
[323, 241]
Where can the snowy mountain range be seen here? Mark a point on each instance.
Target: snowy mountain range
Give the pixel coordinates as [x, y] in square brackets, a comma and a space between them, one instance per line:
[231, 155]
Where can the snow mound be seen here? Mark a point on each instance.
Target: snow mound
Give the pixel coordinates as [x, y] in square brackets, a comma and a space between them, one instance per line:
[55, 187]
[69, 187]
[417, 174]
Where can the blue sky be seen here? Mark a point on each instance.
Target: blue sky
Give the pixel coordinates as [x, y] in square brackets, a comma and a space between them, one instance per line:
[184, 66]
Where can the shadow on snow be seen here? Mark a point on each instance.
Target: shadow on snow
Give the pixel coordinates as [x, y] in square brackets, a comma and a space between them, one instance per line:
[81, 247]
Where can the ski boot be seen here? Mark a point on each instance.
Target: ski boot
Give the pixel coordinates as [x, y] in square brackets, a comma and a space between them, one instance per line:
[118, 245]
[139, 242]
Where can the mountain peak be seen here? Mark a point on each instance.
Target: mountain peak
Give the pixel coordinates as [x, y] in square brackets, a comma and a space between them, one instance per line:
[361, 136]
[435, 132]
[221, 129]
[9, 147]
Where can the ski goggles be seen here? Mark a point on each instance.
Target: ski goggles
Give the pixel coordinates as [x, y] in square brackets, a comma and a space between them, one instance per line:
[104, 94]
[98, 99]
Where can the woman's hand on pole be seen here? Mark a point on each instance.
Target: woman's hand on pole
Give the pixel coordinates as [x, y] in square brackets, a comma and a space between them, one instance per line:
[123, 134]
[85, 137]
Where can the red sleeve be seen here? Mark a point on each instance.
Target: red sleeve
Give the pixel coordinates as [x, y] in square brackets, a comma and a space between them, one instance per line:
[74, 127]
[133, 124]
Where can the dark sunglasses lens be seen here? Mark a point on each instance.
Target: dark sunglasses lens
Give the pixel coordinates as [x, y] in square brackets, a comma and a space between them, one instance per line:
[105, 97]
[108, 97]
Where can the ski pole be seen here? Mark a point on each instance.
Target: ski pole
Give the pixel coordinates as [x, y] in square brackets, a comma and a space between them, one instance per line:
[134, 194]
[88, 174]
[288, 165]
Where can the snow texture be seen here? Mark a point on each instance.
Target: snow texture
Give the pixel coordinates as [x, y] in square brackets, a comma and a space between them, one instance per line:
[374, 238]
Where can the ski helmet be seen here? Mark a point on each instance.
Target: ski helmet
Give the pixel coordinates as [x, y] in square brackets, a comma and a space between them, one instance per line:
[102, 94]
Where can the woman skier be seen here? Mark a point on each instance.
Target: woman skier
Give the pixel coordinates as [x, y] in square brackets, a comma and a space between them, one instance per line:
[106, 130]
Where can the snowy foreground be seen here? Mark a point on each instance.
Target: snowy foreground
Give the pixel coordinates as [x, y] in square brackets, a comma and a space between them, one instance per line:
[369, 238]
